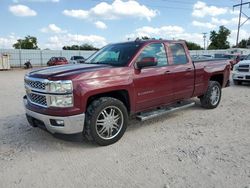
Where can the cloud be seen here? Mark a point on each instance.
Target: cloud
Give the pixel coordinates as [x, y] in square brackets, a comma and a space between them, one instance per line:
[220, 21]
[201, 9]
[204, 24]
[229, 22]
[22, 10]
[52, 28]
[157, 31]
[80, 14]
[58, 41]
[166, 32]
[7, 42]
[116, 10]
[100, 25]
[234, 12]
[176, 32]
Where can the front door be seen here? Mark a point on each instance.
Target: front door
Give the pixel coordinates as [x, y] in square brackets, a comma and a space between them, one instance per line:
[153, 85]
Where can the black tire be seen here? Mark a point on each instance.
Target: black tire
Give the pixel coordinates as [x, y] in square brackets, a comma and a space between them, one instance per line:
[237, 82]
[206, 101]
[94, 111]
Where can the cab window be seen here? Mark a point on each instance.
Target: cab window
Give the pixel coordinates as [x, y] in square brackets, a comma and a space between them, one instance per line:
[156, 50]
[178, 54]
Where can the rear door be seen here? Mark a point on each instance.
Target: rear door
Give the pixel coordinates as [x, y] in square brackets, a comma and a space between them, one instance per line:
[153, 86]
[182, 70]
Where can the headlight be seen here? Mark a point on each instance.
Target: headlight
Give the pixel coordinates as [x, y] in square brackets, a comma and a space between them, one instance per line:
[235, 68]
[61, 101]
[65, 89]
[64, 86]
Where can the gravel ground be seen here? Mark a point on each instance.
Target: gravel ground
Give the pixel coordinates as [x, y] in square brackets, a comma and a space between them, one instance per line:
[190, 148]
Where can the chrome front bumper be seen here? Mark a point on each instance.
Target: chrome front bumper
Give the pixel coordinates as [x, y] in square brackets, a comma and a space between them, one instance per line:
[71, 124]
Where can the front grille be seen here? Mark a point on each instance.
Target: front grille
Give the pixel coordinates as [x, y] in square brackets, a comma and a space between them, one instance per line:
[243, 70]
[38, 99]
[35, 84]
[243, 66]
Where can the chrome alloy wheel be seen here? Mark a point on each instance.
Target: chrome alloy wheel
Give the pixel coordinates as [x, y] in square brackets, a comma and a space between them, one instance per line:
[109, 122]
[215, 95]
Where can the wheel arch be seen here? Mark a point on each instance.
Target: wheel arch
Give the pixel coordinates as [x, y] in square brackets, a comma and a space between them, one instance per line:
[219, 78]
[122, 95]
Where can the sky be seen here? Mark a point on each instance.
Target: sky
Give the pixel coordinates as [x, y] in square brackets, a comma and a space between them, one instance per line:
[57, 23]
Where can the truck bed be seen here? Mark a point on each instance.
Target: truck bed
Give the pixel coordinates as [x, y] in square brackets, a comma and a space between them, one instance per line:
[204, 69]
[208, 60]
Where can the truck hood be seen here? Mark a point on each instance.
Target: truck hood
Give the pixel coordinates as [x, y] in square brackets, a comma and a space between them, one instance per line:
[66, 70]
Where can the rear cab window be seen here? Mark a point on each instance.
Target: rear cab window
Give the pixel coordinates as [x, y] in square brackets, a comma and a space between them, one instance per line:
[178, 52]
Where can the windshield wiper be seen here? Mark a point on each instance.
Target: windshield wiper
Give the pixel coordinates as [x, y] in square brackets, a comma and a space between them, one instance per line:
[93, 62]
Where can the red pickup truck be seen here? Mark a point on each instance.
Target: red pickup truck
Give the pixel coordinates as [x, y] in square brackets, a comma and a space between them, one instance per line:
[138, 78]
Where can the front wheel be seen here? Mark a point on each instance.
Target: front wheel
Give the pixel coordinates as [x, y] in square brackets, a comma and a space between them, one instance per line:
[212, 97]
[106, 121]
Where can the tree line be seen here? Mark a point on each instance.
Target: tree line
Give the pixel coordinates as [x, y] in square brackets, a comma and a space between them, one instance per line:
[82, 47]
[218, 40]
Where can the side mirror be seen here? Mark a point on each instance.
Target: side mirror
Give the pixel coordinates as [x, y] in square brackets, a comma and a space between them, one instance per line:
[146, 62]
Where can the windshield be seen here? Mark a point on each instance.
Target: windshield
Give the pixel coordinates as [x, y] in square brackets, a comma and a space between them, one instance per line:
[248, 57]
[114, 54]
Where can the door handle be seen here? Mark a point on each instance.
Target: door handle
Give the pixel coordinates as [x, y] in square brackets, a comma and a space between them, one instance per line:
[167, 72]
[188, 69]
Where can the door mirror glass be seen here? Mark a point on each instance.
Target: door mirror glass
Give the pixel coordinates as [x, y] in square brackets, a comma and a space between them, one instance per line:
[146, 62]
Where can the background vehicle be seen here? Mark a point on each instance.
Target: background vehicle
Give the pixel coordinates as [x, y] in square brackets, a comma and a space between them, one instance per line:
[137, 78]
[201, 57]
[234, 58]
[76, 59]
[241, 71]
[27, 64]
[57, 61]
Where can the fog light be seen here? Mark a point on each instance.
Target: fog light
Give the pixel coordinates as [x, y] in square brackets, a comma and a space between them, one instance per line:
[57, 122]
[60, 122]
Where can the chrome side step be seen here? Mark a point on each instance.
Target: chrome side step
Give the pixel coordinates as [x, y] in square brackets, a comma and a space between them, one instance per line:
[152, 114]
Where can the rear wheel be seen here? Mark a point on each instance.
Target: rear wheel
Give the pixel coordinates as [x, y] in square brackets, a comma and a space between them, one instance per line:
[106, 120]
[212, 97]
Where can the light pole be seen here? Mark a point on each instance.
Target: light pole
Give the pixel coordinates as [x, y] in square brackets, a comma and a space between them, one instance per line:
[204, 40]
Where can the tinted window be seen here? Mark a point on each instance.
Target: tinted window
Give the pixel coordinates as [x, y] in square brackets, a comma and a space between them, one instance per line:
[78, 57]
[178, 54]
[115, 54]
[111, 56]
[156, 50]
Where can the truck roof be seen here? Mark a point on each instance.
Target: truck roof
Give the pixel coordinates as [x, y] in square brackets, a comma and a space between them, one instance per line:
[140, 41]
